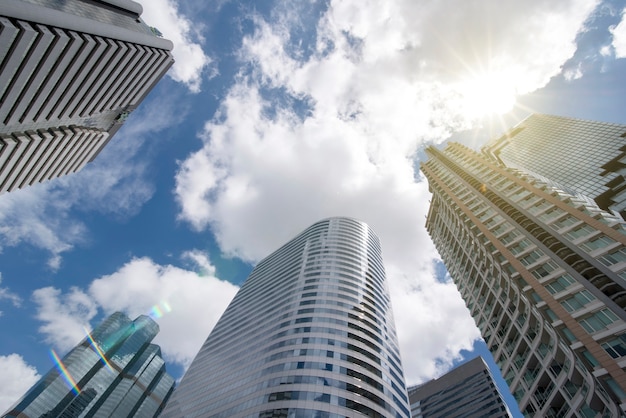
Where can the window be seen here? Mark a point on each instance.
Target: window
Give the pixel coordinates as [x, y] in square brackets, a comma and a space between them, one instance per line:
[569, 335]
[509, 269]
[501, 228]
[571, 388]
[551, 314]
[550, 213]
[615, 387]
[571, 304]
[580, 231]
[520, 246]
[560, 284]
[578, 301]
[565, 222]
[587, 412]
[509, 237]
[544, 349]
[529, 411]
[616, 347]
[591, 359]
[614, 257]
[488, 213]
[539, 207]
[493, 221]
[510, 376]
[544, 270]
[599, 320]
[522, 193]
[519, 393]
[597, 242]
[531, 257]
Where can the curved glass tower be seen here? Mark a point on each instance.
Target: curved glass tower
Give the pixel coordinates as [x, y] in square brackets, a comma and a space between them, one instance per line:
[309, 334]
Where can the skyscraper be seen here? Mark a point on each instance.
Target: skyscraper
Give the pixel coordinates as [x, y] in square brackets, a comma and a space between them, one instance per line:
[586, 158]
[543, 274]
[466, 391]
[309, 334]
[70, 73]
[114, 371]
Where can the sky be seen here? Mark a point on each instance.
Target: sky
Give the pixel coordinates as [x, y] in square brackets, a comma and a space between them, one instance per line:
[277, 114]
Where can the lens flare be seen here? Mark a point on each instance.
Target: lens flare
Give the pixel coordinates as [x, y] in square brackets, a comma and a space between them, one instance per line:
[99, 351]
[157, 311]
[65, 373]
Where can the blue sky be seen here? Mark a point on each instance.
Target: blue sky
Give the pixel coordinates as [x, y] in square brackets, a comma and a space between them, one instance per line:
[276, 115]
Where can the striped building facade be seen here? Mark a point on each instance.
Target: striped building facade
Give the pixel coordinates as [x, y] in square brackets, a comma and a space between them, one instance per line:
[70, 73]
[543, 273]
[309, 334]
[467, 391]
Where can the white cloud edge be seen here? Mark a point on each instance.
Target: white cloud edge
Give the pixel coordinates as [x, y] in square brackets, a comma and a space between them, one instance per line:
[16, 378]
[619, 37]
[7, 294]
[191, 62]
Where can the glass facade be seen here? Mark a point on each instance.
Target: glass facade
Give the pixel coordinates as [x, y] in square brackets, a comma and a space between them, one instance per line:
[585, 158]
[542, 273]
[115, 372]
[309, 334]
[466, 391]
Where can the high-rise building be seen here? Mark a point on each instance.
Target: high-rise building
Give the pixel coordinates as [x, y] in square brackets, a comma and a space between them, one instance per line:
[309, 334]
[543, 273]
[70, 73]
[466, 391]
[113, 372]
[586, 158]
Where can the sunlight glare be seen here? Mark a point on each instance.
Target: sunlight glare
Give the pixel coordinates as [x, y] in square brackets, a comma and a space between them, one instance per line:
[488, 94]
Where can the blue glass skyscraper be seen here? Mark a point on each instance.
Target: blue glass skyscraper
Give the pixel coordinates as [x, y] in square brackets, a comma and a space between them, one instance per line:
[113, 372]
[585, 158]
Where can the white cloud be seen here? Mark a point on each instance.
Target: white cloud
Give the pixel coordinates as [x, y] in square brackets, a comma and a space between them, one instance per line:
[34, 216]
[190, 59]
[195, 302]
[574, 73]
[16, 378]
[619, 37]
[201, 261]
[606, 51]
[432, 324]
[65, 317]
[384, 79]
[6, 294]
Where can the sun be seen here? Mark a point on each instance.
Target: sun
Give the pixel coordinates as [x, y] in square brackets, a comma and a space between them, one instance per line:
[487, 94]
